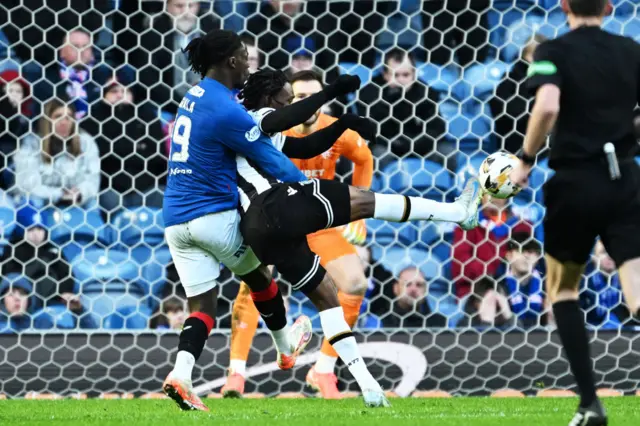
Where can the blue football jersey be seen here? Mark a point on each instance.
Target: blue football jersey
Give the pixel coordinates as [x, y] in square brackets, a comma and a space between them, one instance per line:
[210, 128]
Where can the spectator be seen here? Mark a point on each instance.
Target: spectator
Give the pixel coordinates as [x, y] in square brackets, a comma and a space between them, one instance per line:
[163, 67]
[60, 164]
[130, 141]
[279, 23]
[65, 312]
[29, 253]
[14, 113]
[523, 283]
[478, 253]
[405, 108]
[458, 26]
[601, 295]
[255, 59]
[410, 307]
[172, 316]
[487, 306]
[15, 301]
[510, 106]
[75, 78]
[380, 283]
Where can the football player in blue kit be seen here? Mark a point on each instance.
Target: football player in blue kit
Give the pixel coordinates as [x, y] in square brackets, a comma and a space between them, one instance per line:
[201, 204]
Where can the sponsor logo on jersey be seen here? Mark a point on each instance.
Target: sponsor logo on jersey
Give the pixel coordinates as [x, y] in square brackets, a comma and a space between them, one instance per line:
[177, 171]
[196, 91]
[313, 173]
[253, 134]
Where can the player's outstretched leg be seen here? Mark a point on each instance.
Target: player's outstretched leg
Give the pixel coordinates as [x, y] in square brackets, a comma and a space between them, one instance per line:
[195, 331]
[289, 341]
[244, 323]
[401, 208]
[563, 281]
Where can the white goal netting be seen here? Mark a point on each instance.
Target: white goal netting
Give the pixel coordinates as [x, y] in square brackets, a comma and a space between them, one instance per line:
[90, 301]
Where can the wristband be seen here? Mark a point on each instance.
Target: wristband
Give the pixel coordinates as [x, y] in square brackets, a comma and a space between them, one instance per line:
[529, 160]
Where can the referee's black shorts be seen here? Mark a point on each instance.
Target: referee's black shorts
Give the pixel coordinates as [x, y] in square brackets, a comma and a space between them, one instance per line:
[278, 221]
[583, 203]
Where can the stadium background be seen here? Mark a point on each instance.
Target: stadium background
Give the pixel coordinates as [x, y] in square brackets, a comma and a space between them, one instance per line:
[89, 301]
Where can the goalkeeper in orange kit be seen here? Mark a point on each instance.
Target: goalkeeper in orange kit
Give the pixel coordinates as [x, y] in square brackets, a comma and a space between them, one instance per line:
[334, 246]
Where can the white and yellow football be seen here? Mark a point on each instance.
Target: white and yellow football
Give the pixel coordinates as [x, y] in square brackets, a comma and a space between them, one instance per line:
[494, 175]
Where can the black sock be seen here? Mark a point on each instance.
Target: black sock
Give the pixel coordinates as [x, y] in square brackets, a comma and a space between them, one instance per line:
[195, 332]
[573, 334]
[270, 304]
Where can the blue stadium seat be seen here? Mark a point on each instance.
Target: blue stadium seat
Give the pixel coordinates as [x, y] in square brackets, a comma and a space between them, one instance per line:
[75, 228]
[438, 77]
[418, 177]
[8, 220]
[129, 317]
[139, 225]
[395, 259]
[386, 233]
[61, 318]
[140, 232]
[365, 73]
[106, 279]
[517, 33]
[484, 78]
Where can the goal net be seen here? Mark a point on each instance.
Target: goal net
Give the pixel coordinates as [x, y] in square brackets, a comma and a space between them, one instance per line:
[90, 302]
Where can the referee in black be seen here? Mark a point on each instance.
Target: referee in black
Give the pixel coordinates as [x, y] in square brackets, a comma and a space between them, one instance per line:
[587, 84]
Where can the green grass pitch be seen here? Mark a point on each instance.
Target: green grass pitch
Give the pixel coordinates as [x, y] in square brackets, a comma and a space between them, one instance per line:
[311, 412]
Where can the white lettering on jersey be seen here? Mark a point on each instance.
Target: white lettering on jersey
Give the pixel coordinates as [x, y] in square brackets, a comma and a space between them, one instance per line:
[291, 191]
[196, 91]
[313, 173]
[187, 104]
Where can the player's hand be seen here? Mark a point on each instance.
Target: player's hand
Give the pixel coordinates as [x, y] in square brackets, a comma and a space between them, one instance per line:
[355, 232]
[520, 174]
[366, 128]
[343, 85]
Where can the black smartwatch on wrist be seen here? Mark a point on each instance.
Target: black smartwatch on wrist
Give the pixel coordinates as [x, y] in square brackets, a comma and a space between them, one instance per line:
[527, 159]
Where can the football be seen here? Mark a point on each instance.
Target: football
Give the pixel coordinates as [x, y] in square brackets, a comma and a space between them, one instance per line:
[494, 175]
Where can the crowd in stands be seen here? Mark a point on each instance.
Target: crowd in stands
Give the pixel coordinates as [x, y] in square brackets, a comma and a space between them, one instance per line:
[88, 92]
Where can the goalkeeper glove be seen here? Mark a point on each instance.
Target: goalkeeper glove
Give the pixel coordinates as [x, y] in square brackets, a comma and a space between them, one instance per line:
[355, 232]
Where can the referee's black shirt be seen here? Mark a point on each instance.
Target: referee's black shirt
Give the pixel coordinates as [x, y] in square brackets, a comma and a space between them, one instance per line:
[598, 74]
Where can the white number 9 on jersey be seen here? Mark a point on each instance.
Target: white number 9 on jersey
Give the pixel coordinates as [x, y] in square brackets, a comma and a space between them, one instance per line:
[180, 136]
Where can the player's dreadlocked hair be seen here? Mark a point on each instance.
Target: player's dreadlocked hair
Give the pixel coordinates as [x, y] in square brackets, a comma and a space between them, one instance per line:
[211, 49]
[261, 83]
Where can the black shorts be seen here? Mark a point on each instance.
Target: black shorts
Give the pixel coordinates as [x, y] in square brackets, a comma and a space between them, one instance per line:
[584, 203]
[278, 221]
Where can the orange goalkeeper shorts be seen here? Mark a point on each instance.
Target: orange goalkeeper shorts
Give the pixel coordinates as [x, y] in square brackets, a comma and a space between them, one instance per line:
[330, 245]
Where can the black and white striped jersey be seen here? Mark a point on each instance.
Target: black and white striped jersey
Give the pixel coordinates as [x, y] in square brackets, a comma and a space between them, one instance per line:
[251, 179]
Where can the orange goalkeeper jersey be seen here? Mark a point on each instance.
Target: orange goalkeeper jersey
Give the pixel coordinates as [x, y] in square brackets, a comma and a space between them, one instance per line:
[349, 145]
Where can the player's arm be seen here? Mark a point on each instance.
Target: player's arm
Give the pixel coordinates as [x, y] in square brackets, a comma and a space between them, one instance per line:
[318, 142]
[355, 149]
[241, 134]
[294, 114]
[545, 80]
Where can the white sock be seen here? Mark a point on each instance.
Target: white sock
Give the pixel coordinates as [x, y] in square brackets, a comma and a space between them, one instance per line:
[184, 365]
[391, 207]
[281, 340]
[238, 366]
[333, 324]
[325, 364]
